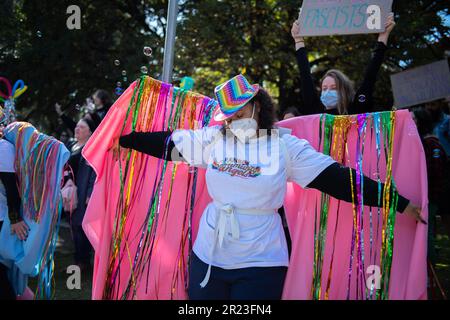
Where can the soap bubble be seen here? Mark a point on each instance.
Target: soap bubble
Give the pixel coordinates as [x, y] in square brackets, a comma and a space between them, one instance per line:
[148, 51]
[144, 70]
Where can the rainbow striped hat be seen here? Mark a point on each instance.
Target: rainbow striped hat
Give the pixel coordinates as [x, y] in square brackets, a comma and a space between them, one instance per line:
[233, 95]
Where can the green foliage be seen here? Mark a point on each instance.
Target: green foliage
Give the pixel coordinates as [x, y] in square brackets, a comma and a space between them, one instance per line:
[66, 66]
[227, 36]
[215, 40]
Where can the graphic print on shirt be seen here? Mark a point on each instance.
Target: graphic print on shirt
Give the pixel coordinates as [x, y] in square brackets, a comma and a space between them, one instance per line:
[235, 167]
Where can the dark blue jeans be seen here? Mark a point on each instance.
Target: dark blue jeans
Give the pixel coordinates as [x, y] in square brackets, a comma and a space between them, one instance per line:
[256, 283]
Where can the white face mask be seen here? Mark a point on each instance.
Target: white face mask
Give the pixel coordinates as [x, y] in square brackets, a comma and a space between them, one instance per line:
[245, 128]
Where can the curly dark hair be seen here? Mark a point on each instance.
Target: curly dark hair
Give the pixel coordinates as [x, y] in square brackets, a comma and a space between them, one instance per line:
[267, 115]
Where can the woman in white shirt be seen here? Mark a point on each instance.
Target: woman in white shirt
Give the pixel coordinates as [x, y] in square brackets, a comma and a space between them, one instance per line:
[240, 251]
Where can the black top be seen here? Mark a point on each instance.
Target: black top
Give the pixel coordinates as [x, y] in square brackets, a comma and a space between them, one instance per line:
[101, 113]
[363, 99]
[74, 161]
[334, 180]
[151, 143]
[12, 196]
[84, 178]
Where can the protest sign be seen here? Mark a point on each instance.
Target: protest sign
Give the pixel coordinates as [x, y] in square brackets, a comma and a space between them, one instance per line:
[422, 84]
[338, 17]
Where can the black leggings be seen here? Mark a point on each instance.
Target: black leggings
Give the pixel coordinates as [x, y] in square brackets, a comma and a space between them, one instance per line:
[255, 283]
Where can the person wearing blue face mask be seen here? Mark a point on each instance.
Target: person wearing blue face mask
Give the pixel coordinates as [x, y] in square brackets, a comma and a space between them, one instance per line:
[338, 95]
[330, 99]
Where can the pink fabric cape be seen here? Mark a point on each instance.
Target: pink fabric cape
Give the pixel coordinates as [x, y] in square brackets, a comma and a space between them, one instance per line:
[409, 267]
[408, 277]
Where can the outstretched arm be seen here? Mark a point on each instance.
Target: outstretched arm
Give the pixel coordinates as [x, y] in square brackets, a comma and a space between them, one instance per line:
[157, 144]
[335, 181]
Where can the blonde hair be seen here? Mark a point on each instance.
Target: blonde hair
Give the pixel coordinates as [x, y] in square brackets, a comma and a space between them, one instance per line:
[344, 88]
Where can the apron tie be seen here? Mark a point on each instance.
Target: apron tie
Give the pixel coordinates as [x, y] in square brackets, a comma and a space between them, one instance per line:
[228, 211]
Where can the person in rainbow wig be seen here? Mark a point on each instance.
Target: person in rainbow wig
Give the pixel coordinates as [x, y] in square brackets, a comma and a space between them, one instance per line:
[240, 251]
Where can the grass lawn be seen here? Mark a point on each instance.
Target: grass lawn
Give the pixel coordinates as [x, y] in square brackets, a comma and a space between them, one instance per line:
[63, 259]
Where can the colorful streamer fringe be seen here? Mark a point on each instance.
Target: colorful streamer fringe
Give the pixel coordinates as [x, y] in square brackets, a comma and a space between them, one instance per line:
[39, 168]
[153, 101]
[179, 109]
[333, 132]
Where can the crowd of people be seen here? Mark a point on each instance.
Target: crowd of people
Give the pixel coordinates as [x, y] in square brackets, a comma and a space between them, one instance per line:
[243, 270]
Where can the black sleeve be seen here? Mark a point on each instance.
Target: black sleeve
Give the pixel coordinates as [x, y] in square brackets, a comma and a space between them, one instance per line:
[12, 196]
[335, 181]
[70, 124]
[71, 167]
[151, 143]
[91, 182]
[311, 100]
[363, 100]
